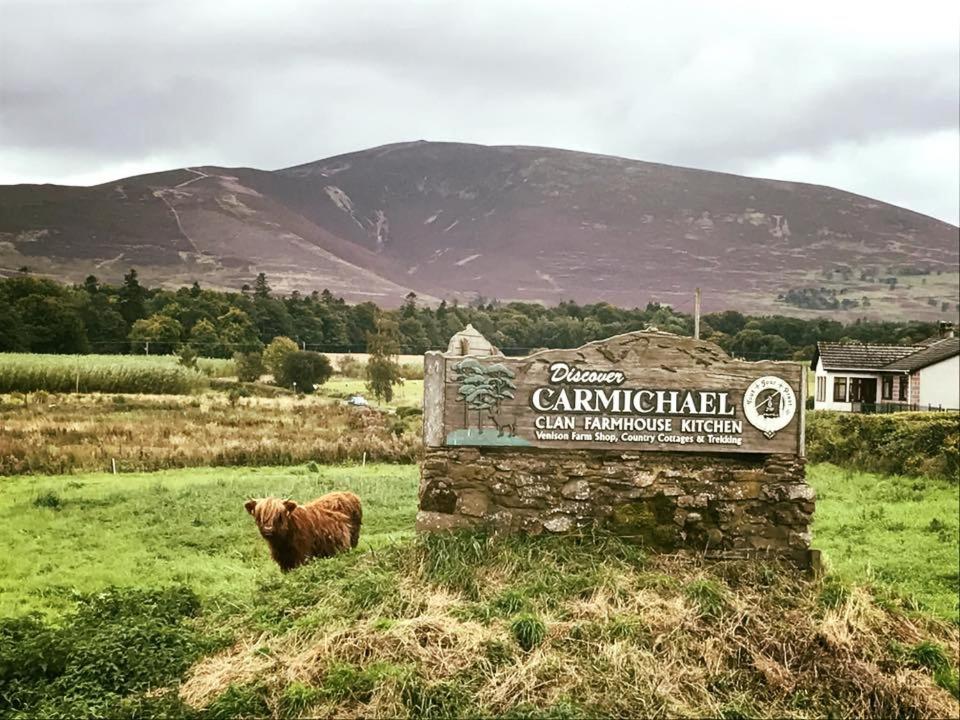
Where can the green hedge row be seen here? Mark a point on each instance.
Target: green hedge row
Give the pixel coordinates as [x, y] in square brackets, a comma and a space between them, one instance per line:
[919, 443]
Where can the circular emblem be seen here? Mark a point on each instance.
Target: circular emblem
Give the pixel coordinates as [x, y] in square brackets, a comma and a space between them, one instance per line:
[769, 404]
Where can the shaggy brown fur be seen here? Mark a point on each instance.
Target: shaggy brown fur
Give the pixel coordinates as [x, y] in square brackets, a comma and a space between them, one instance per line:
[296, 533]
[345, 503]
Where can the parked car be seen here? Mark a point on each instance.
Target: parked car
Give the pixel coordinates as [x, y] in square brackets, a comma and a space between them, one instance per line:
[358, 400]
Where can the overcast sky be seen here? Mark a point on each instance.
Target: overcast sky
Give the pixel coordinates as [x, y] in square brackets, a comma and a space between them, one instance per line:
[859, 95]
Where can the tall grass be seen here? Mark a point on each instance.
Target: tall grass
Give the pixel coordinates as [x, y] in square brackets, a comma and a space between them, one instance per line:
[157, 375]
[67, 433]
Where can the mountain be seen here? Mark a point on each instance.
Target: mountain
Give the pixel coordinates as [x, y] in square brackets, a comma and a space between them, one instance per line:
[453, 220]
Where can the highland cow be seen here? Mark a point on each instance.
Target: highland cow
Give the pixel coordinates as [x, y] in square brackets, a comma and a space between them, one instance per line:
[296, 533]
[345, 503]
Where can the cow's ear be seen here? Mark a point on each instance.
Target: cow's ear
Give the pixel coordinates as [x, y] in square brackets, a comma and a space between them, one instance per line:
[290, 505]
[250, 505]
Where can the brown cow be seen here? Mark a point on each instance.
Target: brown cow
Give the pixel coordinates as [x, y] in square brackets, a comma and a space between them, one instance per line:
[296, 533]
[345, 503]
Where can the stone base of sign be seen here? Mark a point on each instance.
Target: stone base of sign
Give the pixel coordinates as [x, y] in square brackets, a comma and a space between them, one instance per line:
[720, 505]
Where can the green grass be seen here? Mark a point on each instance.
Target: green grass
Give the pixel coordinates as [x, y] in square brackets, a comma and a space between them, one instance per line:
[440, 626]
[898, 533]
[86, 532]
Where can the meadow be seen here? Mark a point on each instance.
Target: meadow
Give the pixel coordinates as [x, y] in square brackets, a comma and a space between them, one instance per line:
[43, 433]
[439, 626]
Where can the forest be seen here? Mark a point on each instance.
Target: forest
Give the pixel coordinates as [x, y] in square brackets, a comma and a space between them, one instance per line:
[43, 316]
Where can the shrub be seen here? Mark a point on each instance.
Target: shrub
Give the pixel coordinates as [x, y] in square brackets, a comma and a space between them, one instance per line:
[305, 369]
[411, 371]
[352, 367]
[118, 642]
[249, 366]
[925, 443]
[529, 631]
[274, 355]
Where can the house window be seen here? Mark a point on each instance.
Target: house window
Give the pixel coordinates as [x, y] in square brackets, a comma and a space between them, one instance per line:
[886, 387]
[821, 389]
[903, 387]
[840, 389]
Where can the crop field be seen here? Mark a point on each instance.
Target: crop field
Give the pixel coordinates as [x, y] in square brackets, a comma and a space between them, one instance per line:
[159, 375]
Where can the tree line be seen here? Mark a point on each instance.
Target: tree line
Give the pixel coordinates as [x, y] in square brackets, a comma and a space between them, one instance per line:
[44, 316]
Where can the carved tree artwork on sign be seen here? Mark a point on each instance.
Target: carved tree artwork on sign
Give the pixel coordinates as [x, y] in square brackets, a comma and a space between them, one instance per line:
[482, 389]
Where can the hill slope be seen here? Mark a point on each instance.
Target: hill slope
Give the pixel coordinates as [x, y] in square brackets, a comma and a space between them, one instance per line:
[451, 219]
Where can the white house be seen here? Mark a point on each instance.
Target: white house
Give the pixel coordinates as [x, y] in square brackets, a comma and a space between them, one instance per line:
[856, 377]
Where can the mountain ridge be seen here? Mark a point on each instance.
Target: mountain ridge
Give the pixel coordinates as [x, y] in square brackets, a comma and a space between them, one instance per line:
[456, 220]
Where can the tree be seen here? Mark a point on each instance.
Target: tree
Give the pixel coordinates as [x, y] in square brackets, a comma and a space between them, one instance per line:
[249, 366]
[261, 289]
[158, 334]
[11, 329]
[276, 352]
[237, 332]
[383, 370]
[51, 324]
[132, 298]
[304, 369]
[205, 340]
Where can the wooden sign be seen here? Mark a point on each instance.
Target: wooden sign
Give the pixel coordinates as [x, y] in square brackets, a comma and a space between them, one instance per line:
[638, 391]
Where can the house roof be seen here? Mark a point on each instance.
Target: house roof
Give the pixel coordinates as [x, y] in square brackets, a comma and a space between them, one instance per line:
[857, 356]
[931, 354]
[890, 358]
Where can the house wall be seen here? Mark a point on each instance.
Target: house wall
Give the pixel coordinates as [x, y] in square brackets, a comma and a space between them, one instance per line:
[940, 384]
[832, 375]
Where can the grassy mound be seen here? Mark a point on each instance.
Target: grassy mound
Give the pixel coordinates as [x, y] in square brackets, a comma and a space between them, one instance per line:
[548, 627]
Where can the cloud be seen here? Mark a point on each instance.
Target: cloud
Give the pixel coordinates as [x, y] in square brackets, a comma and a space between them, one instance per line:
[841, 93]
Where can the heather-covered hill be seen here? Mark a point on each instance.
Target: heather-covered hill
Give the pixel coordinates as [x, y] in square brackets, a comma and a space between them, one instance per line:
[507, 222]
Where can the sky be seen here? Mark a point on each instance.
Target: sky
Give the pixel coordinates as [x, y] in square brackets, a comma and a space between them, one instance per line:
[862, 96]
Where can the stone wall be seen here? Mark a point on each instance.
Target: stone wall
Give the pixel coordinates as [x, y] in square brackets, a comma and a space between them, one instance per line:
[723, 505]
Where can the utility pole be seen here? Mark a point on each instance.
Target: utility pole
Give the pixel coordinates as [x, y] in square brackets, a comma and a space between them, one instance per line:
[696, 315]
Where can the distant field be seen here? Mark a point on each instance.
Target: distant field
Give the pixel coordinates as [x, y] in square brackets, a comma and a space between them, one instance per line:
[71, 433]
[410, 393]
[336, 358]
[156, 374]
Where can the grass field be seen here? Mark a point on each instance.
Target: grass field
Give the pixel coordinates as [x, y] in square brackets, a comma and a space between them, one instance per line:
[899, 533]
[86, 531]
[407, 627]
[83, 533]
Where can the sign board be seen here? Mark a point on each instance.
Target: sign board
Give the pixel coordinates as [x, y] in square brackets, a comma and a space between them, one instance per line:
[638, 391]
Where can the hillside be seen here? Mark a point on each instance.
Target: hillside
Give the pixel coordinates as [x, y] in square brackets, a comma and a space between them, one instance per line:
[457, 220]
